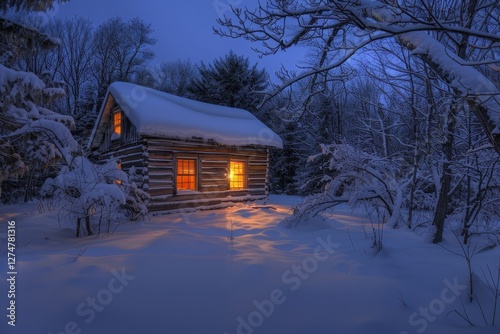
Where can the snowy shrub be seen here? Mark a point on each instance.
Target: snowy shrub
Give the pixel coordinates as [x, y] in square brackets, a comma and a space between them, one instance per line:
[80, 191]
[94, 194]
[354, 177]
[136, 199]
[319, 174]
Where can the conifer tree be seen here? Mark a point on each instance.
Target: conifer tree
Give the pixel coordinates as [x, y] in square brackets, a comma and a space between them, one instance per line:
[25, 98]
[230, 81]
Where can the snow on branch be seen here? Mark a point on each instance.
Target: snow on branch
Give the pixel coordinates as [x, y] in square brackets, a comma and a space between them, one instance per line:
[58, 134]
[96, 194]
[355, 177]
[481, 94]
[353, 24]
[22, 93]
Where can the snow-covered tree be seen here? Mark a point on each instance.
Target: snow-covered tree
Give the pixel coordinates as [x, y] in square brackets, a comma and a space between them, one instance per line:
[95, 195]
[456, 40]
[34, 138]
[24, 98]
[356, 178]
[343, 27]
[285, 166]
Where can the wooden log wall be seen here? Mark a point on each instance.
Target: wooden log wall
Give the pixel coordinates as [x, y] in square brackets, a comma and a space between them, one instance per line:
[213, 167]
[155, 160]
[131, 155]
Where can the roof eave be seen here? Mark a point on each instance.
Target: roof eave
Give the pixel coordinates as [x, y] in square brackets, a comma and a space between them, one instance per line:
[94, 139]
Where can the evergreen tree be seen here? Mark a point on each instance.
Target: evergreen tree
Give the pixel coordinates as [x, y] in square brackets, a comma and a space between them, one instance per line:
[230, 81]
[24, 99]
[29, 5]
[285, 163]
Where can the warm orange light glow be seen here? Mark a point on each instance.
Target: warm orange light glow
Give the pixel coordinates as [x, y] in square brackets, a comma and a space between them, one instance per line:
[186, 174]
[117, 123]
[237, 175]
[119, 164]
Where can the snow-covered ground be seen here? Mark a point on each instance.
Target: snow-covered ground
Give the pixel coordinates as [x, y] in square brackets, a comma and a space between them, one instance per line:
[183, 273]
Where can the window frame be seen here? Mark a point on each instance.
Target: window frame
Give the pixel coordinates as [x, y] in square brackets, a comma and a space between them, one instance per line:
[244, 175]
[196, 175]
[117, 114]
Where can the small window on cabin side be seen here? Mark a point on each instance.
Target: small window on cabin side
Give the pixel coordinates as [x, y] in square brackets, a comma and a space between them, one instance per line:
[117, 123]
[237, 175]
[186, 174]
[119, 165]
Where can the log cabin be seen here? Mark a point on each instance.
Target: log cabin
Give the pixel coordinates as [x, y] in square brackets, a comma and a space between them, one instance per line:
[187, 154]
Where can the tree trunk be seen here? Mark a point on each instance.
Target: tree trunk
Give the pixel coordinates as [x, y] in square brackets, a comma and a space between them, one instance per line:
[466, 234]
[87, 226]
[411, 204]
[444, 193]
[28, 195]
[78, 223]
[442, 204]
[415, 159]
[468, 202]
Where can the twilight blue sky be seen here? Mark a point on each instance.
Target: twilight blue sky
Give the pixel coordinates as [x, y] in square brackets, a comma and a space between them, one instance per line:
[183, 29]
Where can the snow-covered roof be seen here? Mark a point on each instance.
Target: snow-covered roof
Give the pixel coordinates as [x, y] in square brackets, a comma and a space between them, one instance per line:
[159, 114]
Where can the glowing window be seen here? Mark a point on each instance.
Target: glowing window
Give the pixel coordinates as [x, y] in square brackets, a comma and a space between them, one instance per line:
[186, 174]
[119, 164]
[237, 175]
[117, 123]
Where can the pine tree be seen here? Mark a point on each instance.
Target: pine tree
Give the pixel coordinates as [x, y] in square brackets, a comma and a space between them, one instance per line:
[285, 163]
[29, 5]
[230, 81]
[24, 99]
